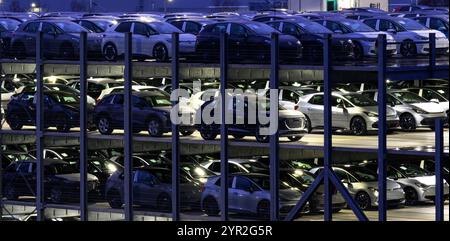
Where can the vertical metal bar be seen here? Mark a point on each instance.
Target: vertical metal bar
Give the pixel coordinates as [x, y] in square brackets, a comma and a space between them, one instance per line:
[128, 130]
[274, 139]
[328, 127]
[223, 127]
[1, 151]
[432, 53]
[382, 128]
[175, 131]
[40, 199]
[438, 154]
[83, 127]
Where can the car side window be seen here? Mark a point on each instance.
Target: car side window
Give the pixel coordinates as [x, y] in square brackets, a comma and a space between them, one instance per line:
[215, 167]
[230, 182]
[237, 30]
[178, 24]
[275, 25]
[392, 173]
[123, 27]
[243, 184]
[342, 175]
[95, 87]
[371, 23]
[192, 27]
[370, 95]
[233, 168]
[336, 101]
[144, 177]
[438, 24]
[333, 26]
[139, 102]
[48, 28]
[316, 100]
[422, 21]
[141, 29]
[118, 100]
[32, 27]
[291, 96]
[218, 28]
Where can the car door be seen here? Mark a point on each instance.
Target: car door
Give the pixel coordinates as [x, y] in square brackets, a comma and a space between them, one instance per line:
[289, 99]
[115, 110]
[117, 36]
[143, 40]
[340, 115]
[439, 25]
[52, 39]
[238, 45]
[143, 188]
[244, 194]
[192, 27]
[29, 37]
[140, 112]
[315, 110]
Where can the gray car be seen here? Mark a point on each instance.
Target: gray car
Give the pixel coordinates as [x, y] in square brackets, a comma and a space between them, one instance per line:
[413, 110]
[350, 111]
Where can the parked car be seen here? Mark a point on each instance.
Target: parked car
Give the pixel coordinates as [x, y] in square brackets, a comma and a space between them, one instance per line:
[436, 22]
[289, 96]
[61, 39]
[410, 34]
[311, 35]
[413, 110]
[62, 181]
[96, 25]
[248, 41]
[151, 39]
[362, 183]
[190, 25]
[292, 123]
[135, 88]
[96, 85]
[61, 110]
[350, 111]
[432, 96]
[364, 37]
[151, 112]
[56, 87]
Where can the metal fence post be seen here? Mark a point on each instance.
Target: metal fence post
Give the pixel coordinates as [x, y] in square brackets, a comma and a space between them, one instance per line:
[1, 151]
[128, 129]
[438, 154]
[175, 131]
[432, 53]
[274, 138]
[40, 198]
[382, 128]
[328, 127]
[83, 127]
[223, 126]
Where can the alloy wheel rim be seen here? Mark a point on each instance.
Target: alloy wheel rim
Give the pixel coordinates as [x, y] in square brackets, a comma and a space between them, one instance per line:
[363, 201]
[103, 125]
[153, 127]
[160, 52]
[110, 52]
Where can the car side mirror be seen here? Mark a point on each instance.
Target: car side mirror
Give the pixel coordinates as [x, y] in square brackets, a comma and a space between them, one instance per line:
[435, 101]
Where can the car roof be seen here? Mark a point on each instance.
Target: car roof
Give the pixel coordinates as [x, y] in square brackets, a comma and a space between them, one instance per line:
[46, 161]
[138, 94]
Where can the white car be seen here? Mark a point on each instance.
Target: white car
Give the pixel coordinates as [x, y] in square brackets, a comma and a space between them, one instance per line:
[150, 39]
[411, 35]
[136, 88]
[363, 36]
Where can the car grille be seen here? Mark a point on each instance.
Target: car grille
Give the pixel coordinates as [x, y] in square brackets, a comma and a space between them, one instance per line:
[294, 123]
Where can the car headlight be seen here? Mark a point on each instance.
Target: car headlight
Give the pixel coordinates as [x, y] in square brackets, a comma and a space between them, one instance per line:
[371, 114]
[421, 185]
[422, 38]
[420, 111]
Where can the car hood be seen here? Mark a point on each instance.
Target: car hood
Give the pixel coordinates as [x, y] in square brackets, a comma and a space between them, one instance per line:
[369, 35]
[374, 109]
[426, 33]
[427, 180]
[290, 114]
[430, 107]
[291, 195]
[75, 177]
[390, 184]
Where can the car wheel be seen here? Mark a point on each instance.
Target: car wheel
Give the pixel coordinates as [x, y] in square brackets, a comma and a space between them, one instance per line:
[13, 122]
[407, 122]
[408, 49]
[363, 200]
[238, 137]
[207, 132]
[19, 51]
[164, 203]
[358, 126]
[308, 125]
[186, 132]
[358, 51]
[56, 195]
[10, 193]
[294, 138]
[110, 52]
[160, 53]
[259, 137]
[211, 207]
[263, 209]
[104, 126]
[154, 128]
[66, 51]
[62, 124]
[114, 199]
[411, 196]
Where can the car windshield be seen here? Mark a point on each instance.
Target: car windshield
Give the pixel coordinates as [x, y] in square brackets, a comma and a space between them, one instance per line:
[70, 27]
[410, 24]
[313, 27]
[64, 98]
[304, 177]
[196, 171]
[357, 26]
[60, 169]
[254, 166]
[413, 171]
[164, 28]
[363, 174]
[64, 88]
[408, 97]
[103, 24]
[9, 24]
[360, 100]
[158, 100]
[260, 28]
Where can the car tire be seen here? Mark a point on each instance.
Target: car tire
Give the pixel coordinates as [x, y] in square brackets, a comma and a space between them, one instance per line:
[207, 132]
[261, 138]
[160, 53]
[294, 138]
[104, 125]
[358, 51]
[363, 200]
[263, 209]
[114, 199]
[11, 193]
[407, 122]
[238, 137]
[308, 125]
[62, 124]
[358, 126]
[211, 207]
[411, 196]
[154, 127]
[164, 203]
[110, 52]
[186, 132]
[408, 49]
[13, 122]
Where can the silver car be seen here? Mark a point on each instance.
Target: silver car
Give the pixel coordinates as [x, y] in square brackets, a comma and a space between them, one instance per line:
[362, 184]
[413, 110]
[350, 111]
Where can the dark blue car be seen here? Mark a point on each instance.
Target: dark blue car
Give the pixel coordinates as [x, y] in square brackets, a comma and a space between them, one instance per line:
[151, 112]
[61, 110]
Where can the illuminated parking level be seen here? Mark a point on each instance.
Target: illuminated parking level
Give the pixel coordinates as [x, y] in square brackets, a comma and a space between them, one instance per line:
[87, 131]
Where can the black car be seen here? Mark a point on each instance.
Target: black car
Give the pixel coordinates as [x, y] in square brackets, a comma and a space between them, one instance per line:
[291, 122]
[96, 25]
[61, 181]
[61, 39]
[61, 110]
[7, 26]
[312, 37]
[191, 25]
[151, 112]
[248, 41]
[12, 156]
